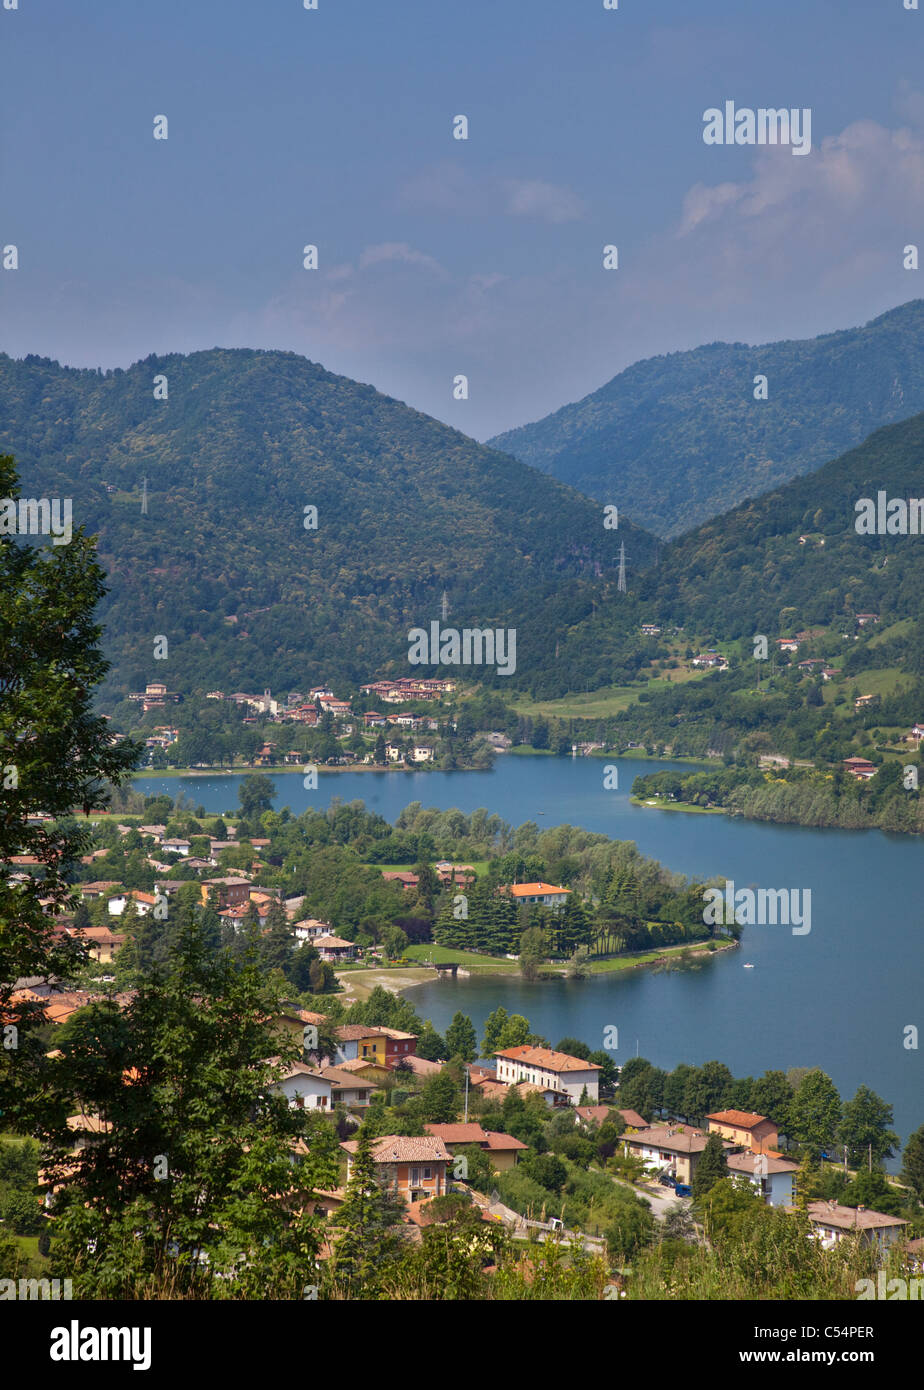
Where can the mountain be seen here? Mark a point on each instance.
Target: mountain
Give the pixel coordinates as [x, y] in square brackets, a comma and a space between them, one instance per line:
[675, 440]
[222, 564]
[788, 562]
[734, 575]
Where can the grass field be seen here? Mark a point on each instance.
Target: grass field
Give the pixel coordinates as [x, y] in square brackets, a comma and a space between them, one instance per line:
[656, 804]
[598, 704]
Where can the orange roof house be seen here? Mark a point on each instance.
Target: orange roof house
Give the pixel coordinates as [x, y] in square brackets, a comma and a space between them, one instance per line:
[752, 1131]
[545, 893]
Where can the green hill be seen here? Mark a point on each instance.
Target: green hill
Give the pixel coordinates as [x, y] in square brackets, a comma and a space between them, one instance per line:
[222, 564]
[675, 440]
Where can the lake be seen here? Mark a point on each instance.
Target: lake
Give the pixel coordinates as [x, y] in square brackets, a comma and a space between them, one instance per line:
[839, 997]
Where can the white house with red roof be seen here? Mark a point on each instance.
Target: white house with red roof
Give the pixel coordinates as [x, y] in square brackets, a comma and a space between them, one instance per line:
[562, 1077]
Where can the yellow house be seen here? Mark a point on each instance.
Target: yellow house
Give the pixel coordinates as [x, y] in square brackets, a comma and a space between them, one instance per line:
[502, 1149]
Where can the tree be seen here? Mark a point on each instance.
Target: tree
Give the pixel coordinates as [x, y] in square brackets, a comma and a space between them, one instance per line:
[255, 794]
[193, 1189]
[494, 1026]
[865, 1128]
[277, 944]
[913, 1162]
[461, 1038]
[55, 754]
[532, 952]
[815, 1112]
[368, 1220]
[430, 1045]
[631, 1228]
[438, 1102]
[515, 1032]
[477, 1169]
[712, 1167]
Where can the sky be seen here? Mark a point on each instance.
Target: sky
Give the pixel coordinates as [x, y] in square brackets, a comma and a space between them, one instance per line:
[440, 257]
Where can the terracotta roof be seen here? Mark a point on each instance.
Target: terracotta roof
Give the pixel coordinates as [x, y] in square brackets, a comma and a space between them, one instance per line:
[422, 1066]
[851, 1218]
[524, 890]
[352, 1032]
[596, 1114]
[633, 1118]
[743, 1119]
[501, 1143]
[458, 1134]
[547, 1058]
[686, 1141]
[332, 943]
[760, 1163]
[399, 1148]
[346, 1079]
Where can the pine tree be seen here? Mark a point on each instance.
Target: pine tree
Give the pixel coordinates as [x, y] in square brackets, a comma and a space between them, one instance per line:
[461, 1038]
[276, 946]
[711, 1168]
[913, 1162]
[367, 1219]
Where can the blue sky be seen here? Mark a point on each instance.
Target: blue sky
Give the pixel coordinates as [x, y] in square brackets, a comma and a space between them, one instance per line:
[440, 256]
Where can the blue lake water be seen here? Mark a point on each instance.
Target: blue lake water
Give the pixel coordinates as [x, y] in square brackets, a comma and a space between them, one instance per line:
[839, 998]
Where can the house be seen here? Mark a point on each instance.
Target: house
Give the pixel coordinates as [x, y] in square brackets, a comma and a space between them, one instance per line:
[373, 720]
[421, 754]
[828, 673]
[650, 630]
[334, 948]
[102, 942]
[304, 1087]
[422, 1066]
[90, 892]
[175, 847]
[772, 1175]
[398, 1046]
[407, 881]
[832, 1222]
[860, 767]
[545, 893]
[144, 902]
[293, 1020]
[229, 892]
[745, 1128]
[365, 1067]
[347, 1088]
[863, 701]
[787, 644]
[309, 1088]
[710, 661]
[565, 1077]
[310, 929]
[864, 618]
[386, 1046]
[415, 1168]
[502, 1149]
[673, 1149]
[917, 733]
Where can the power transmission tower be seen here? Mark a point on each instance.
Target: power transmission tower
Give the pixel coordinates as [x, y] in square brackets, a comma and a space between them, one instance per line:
[621, 582]
[144, 497]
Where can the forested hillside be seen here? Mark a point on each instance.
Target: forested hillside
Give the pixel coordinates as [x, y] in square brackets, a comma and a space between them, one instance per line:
[677, 439]
[222, 563]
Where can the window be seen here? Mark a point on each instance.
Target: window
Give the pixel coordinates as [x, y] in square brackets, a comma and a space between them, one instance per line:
[427, 1174]
[415, 1177]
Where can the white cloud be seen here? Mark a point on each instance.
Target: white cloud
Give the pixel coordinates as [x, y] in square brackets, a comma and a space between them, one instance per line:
[548, 201]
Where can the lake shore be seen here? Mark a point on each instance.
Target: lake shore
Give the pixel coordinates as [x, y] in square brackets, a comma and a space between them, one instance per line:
[358, 984]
